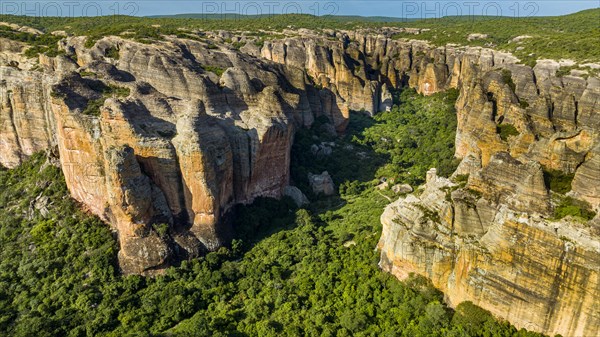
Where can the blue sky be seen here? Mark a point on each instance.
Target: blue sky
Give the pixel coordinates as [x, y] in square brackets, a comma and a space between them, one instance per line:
[394, 8]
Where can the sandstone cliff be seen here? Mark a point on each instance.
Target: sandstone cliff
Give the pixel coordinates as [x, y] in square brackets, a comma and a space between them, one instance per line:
[495, 241]
[150, 137]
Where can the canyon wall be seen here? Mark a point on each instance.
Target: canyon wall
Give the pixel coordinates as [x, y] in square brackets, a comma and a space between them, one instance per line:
[492, 239]
[148, 137]
[489, 235]
[185, 129]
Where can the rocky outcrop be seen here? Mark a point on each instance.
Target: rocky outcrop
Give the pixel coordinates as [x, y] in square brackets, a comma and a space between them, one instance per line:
[294, 192]
[321, 183]
[514, 122]
[536, 273]
[150, 138]
[495, 241]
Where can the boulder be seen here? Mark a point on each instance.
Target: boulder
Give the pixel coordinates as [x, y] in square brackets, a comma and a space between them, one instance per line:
[321, 183]
[402, 188]
[294, 192]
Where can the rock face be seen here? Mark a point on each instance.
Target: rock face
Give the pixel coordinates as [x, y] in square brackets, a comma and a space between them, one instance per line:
[168, 143]
[173, 134]
[294, 192]
[493, 240]
[536, 273]
[402, 188]
[321, 183]
[513, 122]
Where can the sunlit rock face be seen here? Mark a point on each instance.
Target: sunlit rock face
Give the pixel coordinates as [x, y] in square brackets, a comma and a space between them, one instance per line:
[494, 240]
[168, 143]
[188, 131]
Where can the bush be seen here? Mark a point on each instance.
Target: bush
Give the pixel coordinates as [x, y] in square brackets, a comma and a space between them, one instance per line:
[569, 206]
[507, 78]
[112, 52]
[506, 130]
[563, 71]
[558, 181]
[88, 74]
[93, 106]
[216, 70]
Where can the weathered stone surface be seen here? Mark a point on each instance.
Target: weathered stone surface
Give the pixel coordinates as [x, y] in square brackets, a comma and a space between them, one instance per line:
[402, 188]
[180, 148]
[586, 183]
[294, 192]
[509, 181]
[321, 183]
[538, 274]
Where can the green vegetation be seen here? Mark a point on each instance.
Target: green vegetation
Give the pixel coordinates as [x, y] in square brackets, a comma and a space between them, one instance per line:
[573, 36]
[216, 70]
[507, 78]
[566, 70]
[506, 130]
[259, 43]
[416, 135]
[237, 45]
[287, 273]
[112, 52]
[40, 44]
[53, 268]
[558, 181]
[88, 74]
[93, 106]
[349, 164]
[563, 71]
[568, 206]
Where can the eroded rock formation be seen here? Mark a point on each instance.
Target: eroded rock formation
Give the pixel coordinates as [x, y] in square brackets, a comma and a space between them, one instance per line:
[149, 137]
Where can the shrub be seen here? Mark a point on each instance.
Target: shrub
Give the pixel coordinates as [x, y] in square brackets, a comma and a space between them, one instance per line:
[162, 229]
[112, 52]
[237, 45]
[558, 181]
[94, 105]
[216, 70]
[87, 74]
[90, 41]
[569, 206]
[506, 130]
[507, 78]
[117, 91]
[563, 71]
